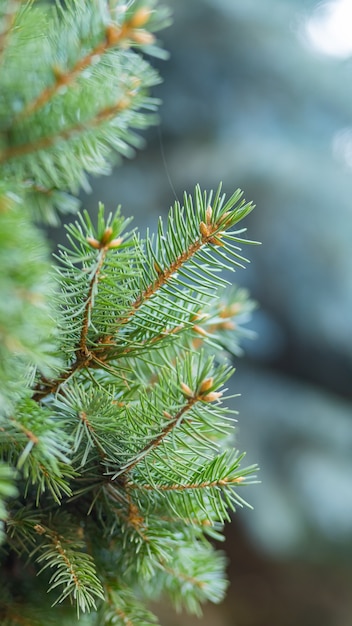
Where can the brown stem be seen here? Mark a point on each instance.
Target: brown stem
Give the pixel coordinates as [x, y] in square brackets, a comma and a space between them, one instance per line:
[82, 348]
[46, 386]
[31, 436]
[205, 485]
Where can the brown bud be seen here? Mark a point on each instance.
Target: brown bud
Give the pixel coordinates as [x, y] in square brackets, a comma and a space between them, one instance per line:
[106, 236]
[200, 330]
[208, 214]
[113, 34]
[140, 18]
[216, 241]
[186, 390]
[212, 396]
[206, 384]
[223, 217]
[142, 37]
[94, 243]
[157, 268]
[115, 243]
[204, 230]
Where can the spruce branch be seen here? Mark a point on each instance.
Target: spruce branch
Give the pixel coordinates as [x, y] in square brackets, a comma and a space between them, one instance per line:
[123, 457]
[73, 569]
[152, 445]
[195, 234]
[65, 134]
[129, 32]
[187, 237]
[33, 442]
[122, 607]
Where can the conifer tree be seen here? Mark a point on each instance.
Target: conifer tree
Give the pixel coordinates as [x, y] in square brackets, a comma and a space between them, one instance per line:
[117, 460]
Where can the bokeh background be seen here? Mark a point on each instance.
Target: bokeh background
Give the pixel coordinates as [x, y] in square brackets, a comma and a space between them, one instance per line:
[258, 94]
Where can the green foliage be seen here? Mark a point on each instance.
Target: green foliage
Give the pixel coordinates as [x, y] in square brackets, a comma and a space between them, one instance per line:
[114, 430]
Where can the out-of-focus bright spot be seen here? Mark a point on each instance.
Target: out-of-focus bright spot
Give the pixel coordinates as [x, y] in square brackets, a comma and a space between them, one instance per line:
[342, 146]
[330, 28]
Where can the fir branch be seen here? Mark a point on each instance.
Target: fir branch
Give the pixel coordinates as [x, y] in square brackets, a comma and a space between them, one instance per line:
[74, 569]
[128, 33]
[163, 394]
[123, 608]
[65, 134]
[208, 234]
[35, 444]
[186, 237]
[122, 468]
[152, 445]
[195, 575]
[190, 245]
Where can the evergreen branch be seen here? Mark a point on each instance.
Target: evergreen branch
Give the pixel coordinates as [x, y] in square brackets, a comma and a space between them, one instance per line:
[180, 264]
[152, 445]
[21, 529]
[74, 569]
[206, 491]
[183, 577]
[129, 32]
[91, 416]
[186, 238]
[123, 609]
[195, 575]
[106, 240]
[203, 394]
[43, 143]
[122, 468]
[207, 235]
[35, 444]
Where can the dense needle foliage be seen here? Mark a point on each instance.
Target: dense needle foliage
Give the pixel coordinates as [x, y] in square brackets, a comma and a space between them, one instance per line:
[118, 466]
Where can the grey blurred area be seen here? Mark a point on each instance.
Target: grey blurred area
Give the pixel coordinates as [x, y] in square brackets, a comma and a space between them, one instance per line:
[258, 94]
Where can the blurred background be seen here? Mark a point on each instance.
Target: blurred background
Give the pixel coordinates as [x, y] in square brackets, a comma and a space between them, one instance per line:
[258, 94]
